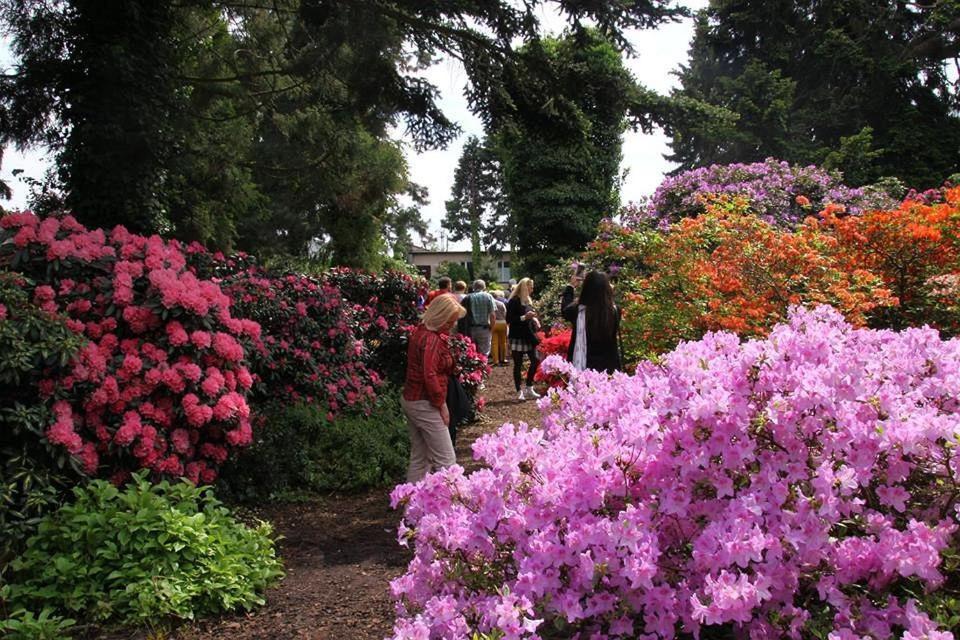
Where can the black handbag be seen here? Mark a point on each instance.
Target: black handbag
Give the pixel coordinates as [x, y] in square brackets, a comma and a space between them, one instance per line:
[459, 405]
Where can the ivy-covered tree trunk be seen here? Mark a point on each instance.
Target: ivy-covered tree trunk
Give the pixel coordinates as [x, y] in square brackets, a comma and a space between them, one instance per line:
[559, 139]
[120, 98]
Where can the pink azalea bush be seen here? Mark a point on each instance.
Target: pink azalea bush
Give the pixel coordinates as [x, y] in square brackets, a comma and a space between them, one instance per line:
[162, 381]
[803, 485]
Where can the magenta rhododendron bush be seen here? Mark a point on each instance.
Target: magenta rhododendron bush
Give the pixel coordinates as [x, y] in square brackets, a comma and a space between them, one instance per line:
[308, 350]
[161, 383]
[799, 486]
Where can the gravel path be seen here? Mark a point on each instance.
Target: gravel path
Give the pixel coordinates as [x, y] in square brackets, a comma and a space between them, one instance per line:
[341, 552]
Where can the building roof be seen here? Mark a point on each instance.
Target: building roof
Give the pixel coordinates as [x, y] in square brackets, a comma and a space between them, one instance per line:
[422, 251]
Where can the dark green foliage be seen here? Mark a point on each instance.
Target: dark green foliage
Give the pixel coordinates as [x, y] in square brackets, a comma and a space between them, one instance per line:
[559, 138]
[358, 452]
[856, 85]
[299, 451]
[143, 554]
[455, 271]
[33, 476]
[478, 209]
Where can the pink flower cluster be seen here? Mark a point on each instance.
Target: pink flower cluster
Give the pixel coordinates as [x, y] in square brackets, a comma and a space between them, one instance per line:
[472, 369]
[308, 350]
[162, 382]
[803, 485]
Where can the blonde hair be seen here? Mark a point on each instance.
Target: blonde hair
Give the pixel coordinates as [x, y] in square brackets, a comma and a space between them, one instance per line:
[440, 310]
[522, 290]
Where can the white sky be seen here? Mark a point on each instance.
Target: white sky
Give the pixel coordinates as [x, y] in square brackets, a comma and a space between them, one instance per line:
[658, 53]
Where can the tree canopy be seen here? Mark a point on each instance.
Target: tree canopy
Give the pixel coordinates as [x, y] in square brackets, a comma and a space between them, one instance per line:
[858, 85]
[558, 134]
[478, 209]
[258, 125]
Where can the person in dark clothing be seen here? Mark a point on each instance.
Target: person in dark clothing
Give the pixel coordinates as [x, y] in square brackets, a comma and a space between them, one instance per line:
[520, 314]
[596, 325]
[570, 291]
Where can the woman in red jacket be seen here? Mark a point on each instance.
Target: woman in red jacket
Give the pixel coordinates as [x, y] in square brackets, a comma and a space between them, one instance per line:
[424, 401]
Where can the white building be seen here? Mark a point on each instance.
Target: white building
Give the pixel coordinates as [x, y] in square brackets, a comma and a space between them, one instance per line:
[427, 262]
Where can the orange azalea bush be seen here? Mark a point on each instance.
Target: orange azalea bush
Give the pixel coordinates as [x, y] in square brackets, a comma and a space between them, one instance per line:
[728, 270]
[915, 248]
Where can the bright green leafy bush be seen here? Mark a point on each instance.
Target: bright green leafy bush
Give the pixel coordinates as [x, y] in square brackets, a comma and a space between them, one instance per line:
[141, 554]
[26, 625]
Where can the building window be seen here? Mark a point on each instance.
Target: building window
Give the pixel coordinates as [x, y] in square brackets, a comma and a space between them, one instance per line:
[503, 266]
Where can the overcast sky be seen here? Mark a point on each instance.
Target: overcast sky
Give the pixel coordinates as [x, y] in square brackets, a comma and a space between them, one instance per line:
[658, 53]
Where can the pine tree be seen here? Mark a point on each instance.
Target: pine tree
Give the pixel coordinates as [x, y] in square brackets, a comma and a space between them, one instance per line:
[860, 85]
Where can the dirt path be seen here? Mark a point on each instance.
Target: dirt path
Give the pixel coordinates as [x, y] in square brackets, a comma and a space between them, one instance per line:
[341, 552]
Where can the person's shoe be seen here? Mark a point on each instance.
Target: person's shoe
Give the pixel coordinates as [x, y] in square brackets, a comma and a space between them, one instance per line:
[531, 393]
[521, 396]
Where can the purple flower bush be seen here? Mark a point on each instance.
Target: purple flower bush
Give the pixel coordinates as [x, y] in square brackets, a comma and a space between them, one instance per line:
[800, 486]
[779, 193]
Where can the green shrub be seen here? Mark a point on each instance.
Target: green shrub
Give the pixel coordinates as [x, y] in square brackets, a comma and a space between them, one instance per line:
[35, 345]
[357, 452]
[143, 554]
[299, 451]
[25, 625]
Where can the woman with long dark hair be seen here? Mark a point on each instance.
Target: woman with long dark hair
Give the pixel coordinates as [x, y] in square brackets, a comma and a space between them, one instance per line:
[596, 325]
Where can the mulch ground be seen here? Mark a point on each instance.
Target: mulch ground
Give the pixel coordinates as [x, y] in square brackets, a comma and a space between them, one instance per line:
[341, 551]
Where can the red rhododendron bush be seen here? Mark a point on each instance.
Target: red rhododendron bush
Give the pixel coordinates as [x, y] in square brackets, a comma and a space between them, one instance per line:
[173, 358]
[803, 485]
[161, 384]
[384, 308]
[308, 351]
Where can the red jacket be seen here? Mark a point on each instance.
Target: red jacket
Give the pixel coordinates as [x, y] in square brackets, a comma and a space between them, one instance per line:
[429, 363]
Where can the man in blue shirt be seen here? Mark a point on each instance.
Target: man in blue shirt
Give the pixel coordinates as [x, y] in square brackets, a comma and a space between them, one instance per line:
[482, 316]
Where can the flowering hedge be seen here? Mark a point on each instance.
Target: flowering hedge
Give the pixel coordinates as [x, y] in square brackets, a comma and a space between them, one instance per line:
[161, 383]
[34, 344]
[308, 351]
[384, 305]
[729, 270]
[915, 248]
[779, 193]
[799, 486]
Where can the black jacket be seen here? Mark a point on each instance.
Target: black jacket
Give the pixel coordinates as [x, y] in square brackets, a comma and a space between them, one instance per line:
[519, 328]
[603, 352]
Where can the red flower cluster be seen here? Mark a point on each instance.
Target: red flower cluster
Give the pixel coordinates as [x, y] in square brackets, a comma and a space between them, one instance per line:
[382, 305]
[555, 344]
[471, 366]
[162, 383]
[308, 350]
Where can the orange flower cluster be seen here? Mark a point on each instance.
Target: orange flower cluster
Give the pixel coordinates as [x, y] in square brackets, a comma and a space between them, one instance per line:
[906, 246]
[729, 270]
